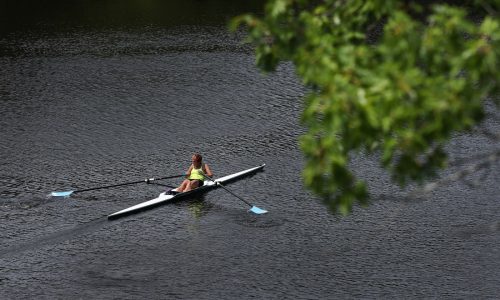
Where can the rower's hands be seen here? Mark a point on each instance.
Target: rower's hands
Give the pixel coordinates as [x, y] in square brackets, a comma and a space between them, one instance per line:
[212, 179]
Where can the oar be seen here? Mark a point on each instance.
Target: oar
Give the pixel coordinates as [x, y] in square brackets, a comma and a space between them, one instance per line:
[147, 180]
[253, 208]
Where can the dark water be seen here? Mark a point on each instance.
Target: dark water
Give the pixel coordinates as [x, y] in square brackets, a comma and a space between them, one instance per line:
[90, 99]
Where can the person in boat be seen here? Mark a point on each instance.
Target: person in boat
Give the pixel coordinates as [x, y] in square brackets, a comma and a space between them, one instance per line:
[195, 175]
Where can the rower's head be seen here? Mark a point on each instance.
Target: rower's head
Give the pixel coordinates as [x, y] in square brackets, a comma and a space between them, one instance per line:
[196, 159]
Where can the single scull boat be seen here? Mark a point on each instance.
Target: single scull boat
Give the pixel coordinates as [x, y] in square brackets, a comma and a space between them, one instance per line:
[164, 197]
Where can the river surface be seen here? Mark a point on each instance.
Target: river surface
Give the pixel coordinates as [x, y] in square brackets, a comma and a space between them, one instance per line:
[90, 100]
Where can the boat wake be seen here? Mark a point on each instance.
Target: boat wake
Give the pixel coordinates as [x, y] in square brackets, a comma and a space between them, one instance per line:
[56, 237]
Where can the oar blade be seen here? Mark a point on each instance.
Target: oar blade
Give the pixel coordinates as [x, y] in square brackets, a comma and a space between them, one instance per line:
[258, 211]
[61, 194]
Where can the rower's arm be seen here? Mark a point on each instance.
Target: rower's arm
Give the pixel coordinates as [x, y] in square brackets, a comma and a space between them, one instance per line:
[189, 171]
[208, 171]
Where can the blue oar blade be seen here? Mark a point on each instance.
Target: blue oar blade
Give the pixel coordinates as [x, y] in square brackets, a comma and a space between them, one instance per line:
[62, 194]
[257, 210]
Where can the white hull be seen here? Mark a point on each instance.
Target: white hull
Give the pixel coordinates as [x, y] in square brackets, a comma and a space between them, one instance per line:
[164, 197]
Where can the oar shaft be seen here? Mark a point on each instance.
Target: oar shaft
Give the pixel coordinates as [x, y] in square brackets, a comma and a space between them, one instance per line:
[109, 186]
[148, 180]
[228, 190]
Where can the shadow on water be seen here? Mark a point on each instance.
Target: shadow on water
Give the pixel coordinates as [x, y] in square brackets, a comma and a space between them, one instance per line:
[62, 14]
[468, 231]
[259, 221]
[29, 202]
[24, 203]
[198, 208]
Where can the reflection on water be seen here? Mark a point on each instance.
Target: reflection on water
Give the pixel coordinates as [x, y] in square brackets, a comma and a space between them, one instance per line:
[199, 207]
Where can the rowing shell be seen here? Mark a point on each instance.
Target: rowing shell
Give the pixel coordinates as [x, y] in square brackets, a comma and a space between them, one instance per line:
[163, 197]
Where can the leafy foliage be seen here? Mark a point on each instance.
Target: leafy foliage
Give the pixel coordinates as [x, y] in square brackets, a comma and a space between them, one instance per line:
[394, 78]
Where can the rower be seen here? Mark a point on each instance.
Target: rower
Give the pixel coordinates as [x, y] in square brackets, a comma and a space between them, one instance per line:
[195, 175]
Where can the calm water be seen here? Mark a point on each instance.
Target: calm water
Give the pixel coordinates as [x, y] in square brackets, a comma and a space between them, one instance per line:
[90, 98]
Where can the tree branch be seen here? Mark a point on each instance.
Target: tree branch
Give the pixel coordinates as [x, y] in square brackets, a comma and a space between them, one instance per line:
[489, 161]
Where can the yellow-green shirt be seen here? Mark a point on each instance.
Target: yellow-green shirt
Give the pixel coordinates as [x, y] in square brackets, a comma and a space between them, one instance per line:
[197, 174]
